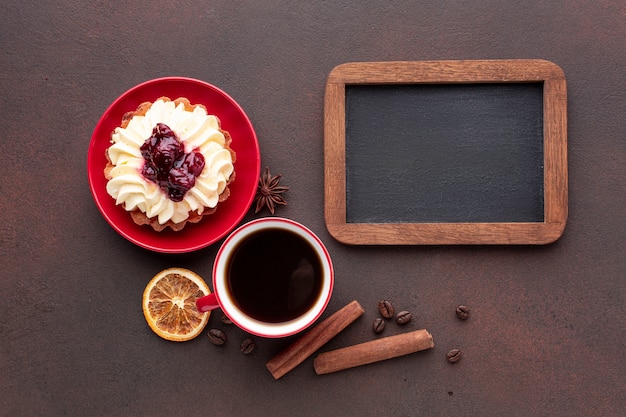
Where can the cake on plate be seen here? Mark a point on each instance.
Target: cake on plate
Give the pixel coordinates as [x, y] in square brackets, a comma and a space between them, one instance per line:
[170, 163]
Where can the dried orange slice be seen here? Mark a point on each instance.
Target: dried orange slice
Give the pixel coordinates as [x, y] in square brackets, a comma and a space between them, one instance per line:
[169, 304]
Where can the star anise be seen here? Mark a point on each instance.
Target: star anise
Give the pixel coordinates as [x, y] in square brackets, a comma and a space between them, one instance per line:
[268, 193]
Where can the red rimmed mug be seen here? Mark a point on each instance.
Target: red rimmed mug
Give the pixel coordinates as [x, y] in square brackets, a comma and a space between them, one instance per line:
[272, 277]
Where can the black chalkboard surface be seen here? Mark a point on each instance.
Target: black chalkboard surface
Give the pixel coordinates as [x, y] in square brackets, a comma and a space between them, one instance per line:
[444, 153]
[458, 152]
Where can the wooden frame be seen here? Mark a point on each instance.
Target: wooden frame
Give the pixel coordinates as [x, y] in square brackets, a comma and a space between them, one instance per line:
[448, 72]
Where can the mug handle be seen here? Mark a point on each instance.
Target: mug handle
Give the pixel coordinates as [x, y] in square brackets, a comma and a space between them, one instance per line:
[207, 303]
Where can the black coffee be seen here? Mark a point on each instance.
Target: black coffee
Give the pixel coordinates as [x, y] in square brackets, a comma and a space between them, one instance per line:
[275, 275]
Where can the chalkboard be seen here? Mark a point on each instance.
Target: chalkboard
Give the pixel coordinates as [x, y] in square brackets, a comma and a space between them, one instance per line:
[446, 152]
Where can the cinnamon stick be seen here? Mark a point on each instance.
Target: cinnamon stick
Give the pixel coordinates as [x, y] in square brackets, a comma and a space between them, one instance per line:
[311, 341]
[373, 351]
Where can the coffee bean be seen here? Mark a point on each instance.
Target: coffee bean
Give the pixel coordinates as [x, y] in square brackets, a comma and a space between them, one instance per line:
[217, 337]
[379, 325]
[404, 317]
[247, 346]
[386, 309]
[454, 355]
[225, 319]
[462, 312]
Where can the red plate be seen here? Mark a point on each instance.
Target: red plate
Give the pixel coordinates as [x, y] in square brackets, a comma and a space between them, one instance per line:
[247, 166]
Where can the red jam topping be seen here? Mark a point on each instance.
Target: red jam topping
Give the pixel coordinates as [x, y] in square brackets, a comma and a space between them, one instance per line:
[167, 164]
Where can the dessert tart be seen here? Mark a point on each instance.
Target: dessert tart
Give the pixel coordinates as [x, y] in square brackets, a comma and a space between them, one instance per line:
[170, 163]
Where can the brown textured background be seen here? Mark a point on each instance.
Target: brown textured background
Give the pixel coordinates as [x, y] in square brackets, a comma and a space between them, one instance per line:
[546, 335]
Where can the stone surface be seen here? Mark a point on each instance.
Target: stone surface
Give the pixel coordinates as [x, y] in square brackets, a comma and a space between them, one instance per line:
[546, 333]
